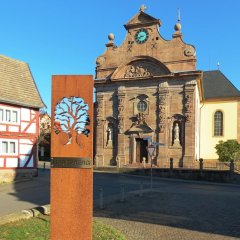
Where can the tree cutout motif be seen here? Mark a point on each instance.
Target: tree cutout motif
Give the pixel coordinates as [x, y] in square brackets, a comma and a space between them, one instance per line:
[71, 118]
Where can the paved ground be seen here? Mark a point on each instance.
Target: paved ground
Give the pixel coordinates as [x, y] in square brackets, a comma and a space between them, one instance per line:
[179, 214]
[24, 195]
[175, 209]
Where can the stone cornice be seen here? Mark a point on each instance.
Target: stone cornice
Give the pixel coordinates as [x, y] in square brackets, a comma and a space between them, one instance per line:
[167, 77]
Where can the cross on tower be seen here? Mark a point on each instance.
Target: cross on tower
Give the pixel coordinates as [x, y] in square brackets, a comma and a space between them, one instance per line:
[143, 8]
[179, 15]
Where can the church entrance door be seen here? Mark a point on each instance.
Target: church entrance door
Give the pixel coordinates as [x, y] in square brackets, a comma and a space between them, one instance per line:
[141, 150]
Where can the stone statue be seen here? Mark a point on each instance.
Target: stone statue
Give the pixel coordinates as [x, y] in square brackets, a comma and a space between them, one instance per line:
[109, 134]
[176, 132]
[109, 143]
[176, 141]
[140, 118]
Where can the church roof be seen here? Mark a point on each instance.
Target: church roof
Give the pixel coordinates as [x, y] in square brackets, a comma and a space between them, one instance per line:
[217, 85]
[17, 84]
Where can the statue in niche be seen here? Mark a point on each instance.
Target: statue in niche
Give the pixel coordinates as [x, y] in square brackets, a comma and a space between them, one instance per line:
[176, 134]
[109, 136]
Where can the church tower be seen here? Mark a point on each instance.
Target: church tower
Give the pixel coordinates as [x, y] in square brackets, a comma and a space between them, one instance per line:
[147, 90]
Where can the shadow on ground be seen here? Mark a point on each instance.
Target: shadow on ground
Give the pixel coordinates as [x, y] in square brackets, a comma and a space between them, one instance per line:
[35, 190]
[213, 213]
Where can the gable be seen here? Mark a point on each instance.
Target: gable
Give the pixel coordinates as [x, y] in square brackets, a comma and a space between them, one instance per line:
[143, 40]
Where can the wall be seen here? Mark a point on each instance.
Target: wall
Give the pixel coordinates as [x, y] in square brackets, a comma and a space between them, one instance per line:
[21, 161]
[176, 91]
[197, 124]
[207, 140]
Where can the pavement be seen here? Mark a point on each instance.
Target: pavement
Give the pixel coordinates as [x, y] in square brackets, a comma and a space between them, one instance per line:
[173, 209]
[176, 214]
[24, 194]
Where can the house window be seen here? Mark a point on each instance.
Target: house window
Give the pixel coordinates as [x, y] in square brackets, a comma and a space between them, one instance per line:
[8, 147]
[14, 116]
[1, 115]
[142, 106]
[4, 147]
[9, 115]
[218, 123]
[12, 148]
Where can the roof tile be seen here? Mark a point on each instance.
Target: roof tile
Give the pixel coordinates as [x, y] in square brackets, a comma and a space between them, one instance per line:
[17, 84]
[217, 85]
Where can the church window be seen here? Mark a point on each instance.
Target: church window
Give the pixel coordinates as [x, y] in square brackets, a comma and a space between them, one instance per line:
[142, 106]
[218, 123]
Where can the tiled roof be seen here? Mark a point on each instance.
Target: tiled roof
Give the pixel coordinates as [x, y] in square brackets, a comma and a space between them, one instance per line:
[216, 85]
[17, 85]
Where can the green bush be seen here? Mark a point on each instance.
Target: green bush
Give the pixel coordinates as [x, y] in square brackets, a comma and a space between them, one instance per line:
[228, 150]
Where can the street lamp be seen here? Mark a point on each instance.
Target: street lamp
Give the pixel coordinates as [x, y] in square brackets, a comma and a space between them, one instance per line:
[151, 149]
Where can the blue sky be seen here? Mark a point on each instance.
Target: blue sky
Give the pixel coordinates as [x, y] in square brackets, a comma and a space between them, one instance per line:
[66, 36]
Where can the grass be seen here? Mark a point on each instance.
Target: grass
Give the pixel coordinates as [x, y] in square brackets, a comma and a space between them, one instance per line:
[38, 229]
[105, 232]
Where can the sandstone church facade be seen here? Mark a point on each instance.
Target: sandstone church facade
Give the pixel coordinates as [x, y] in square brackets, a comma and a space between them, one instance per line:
[148, 90]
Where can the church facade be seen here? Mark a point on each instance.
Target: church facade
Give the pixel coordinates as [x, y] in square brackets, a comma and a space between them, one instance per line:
[148, 90]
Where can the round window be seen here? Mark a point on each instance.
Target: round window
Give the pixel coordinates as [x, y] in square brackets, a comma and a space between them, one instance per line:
[142, 106]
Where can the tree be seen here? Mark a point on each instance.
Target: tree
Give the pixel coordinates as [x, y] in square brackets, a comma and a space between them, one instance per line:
[71, 118]
[44, 138]
[228, 151]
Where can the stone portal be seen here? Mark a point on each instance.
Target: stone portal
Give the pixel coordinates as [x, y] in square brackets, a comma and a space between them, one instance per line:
[141, 150]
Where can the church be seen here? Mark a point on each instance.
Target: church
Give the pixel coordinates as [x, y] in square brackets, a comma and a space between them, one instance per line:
[149, 91]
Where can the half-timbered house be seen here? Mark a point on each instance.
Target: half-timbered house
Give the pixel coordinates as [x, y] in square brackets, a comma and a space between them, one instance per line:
[20, 102]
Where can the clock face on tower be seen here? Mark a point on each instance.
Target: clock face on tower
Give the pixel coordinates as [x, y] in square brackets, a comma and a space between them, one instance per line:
[141, 35]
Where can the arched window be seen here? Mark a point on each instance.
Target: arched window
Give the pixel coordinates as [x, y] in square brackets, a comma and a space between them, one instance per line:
[218, 123]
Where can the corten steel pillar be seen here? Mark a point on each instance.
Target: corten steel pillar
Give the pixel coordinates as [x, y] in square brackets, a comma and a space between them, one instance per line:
[71, 157]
